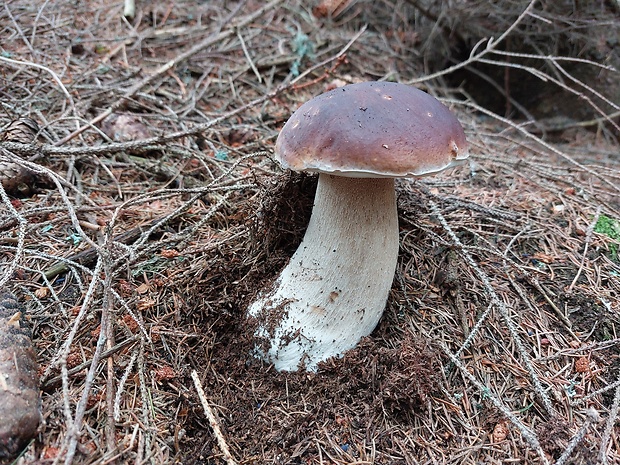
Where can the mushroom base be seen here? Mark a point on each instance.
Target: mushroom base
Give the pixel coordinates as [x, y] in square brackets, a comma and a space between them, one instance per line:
[335, 287]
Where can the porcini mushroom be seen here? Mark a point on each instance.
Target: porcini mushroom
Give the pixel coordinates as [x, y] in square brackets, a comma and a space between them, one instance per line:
[334, 289]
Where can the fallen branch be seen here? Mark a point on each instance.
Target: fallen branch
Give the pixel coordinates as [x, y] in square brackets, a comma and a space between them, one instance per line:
[88, 256]
[82, 366]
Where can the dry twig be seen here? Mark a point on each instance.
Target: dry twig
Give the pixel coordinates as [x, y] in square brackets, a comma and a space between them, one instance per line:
[213, 421]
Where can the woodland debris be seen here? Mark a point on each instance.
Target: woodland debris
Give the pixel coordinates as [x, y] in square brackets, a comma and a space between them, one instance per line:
[15, 178]
[19, 381]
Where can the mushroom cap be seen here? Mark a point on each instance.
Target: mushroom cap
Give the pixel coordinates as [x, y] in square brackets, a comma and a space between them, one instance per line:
[372, 129]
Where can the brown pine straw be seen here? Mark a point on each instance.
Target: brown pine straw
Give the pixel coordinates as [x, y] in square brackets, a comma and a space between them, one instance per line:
[504, 311]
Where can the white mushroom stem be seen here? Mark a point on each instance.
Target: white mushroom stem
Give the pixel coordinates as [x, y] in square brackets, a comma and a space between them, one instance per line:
[335, 287]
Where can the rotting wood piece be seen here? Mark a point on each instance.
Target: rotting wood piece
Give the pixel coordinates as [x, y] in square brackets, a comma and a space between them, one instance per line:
[19, 381]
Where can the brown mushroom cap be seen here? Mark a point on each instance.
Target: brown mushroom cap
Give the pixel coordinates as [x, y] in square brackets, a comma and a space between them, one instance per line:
[372, 129]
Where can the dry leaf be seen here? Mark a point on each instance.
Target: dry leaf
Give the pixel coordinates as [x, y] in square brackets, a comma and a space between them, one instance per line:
[131, 324]
[330, 8]
[142, 288]
[543, 257]
[125, 128]
[42, 292]
[164, 373]
[169, 253]
[500, 432]
[145, 304]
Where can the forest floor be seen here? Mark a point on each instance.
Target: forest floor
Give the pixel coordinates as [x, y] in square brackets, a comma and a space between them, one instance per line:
[158, 213]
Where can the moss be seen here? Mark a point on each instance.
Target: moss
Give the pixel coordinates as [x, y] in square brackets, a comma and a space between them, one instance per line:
[610, 228]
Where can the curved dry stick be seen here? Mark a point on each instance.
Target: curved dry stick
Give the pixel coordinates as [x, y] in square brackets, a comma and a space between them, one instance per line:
[609, 427]
[213, 421]
[491, 44]
[73, 432]
[43, 68]
[21, 236]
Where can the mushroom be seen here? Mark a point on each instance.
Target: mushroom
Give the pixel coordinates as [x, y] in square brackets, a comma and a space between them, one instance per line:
[335, 287]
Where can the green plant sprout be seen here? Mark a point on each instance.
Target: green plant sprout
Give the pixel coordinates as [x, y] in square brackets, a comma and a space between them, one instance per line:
[610, 228]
